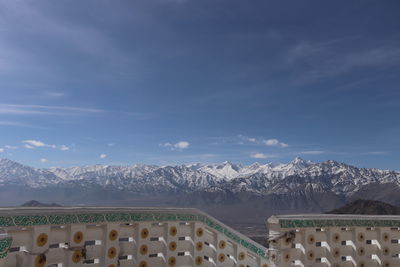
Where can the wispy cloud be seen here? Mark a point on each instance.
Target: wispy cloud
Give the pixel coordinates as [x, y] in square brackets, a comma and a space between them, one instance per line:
[14, 123]
[313, 152]
[54, 94]
[376, 153]
[44, 110]
[178, 146]
[2, 150]
[10, 147]
[103, 156]
[43, 160]
[323, 60]
[248, 139]
[274, 142]
[75, 36]
[64, 148]
[260, 156]
[260, 141]
[18, 109]
[81, 39]
[33, 144]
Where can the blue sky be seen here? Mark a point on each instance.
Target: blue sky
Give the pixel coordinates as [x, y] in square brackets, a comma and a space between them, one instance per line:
[178, 81]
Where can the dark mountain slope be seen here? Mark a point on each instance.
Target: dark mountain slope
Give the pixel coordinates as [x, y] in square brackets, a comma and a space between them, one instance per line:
[371, 207]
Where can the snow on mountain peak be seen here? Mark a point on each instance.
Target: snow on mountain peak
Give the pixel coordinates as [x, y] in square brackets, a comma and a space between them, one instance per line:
[229, 171]
[337, 177]
[225, 170]
[297, 165]
[301, 162]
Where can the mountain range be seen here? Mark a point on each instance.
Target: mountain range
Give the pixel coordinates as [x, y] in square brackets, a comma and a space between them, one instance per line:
[225, 189]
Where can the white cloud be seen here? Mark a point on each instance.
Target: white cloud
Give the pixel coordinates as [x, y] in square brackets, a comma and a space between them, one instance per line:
[178, 146]
[267, 142]
[111, 144]
[274, 142]
[271, 142]
[103, 156]
[43, 160]
[182, 145]
[64, 148]
[34, 143]
[313, 152]
[259, 156]
[10, 147]
[1, 150]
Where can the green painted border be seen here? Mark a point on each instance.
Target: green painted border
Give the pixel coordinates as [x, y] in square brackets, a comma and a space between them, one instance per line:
[126, 217]
[287, 223]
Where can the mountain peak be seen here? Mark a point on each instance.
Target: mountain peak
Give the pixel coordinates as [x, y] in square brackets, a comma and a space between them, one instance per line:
[299, 162]
[228, 164]
[7, 162]
[298, 159]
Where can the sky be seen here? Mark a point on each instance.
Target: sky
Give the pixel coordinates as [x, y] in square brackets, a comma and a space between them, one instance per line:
[183, 81]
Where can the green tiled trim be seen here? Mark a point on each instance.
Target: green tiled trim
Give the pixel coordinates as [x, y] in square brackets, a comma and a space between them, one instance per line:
[91, 218]
[96, 218]
[117, 217]
[338, 223]
[30, 220]
[4, 246]
[6, 221]
[63, 219]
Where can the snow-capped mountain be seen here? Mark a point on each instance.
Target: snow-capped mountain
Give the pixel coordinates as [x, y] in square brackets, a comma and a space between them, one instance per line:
[224, 190]
[89, 172]
[261, 179]
[229, 171]
[13, 173]
[224, 171]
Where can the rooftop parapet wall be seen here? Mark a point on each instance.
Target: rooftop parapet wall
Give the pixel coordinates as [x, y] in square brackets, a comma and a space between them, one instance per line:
[334, 240]
[116, 236]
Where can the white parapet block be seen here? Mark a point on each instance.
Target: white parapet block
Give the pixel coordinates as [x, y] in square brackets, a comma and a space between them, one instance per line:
[114, 236]
[334, 240]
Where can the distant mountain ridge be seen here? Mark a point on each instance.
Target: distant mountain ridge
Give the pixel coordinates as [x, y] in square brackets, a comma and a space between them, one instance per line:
[298, 186]
[34, 203]
[339, 178]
